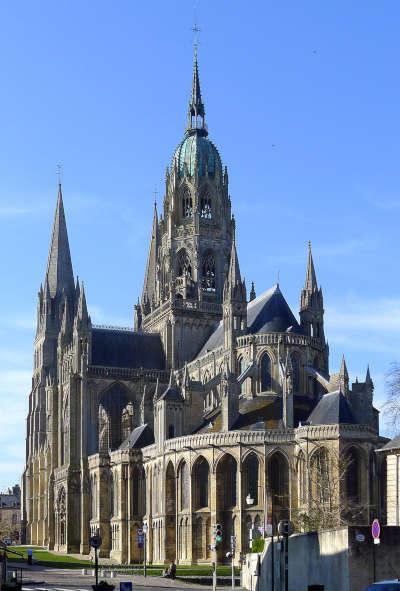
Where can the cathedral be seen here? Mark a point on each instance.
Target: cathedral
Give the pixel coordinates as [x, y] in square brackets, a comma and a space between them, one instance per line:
[216, 407]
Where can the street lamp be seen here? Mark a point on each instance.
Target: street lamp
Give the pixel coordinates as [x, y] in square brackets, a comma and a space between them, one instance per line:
[249, 499]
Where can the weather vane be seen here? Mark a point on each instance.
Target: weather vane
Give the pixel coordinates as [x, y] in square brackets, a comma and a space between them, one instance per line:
[155, 193]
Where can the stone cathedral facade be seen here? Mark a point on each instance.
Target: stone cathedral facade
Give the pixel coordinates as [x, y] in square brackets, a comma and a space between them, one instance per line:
[215, 407]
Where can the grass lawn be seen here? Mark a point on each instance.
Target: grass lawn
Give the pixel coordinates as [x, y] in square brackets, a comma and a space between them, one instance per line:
[41, 556]
[46, 558]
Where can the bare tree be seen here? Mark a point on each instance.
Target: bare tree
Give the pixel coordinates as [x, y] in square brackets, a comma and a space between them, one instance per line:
[329, 504]
[391, 408]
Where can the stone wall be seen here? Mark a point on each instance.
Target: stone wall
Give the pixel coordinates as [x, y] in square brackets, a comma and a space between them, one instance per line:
[334, 559]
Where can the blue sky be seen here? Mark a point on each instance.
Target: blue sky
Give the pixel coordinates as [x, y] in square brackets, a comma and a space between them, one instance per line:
[302, 100]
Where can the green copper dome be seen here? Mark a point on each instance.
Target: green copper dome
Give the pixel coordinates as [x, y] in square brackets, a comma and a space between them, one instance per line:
[197, 148]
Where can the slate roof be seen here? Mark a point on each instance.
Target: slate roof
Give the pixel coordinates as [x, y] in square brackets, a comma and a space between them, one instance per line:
[172, 393]
[126, 348]
[269, 312]
[332, 409]
[392, 444]
[138, 438]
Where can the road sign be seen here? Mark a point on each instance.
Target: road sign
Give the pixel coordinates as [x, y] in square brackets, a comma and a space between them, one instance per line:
[360, 537]
[268, 529]
[376, 530]
[140, 540]
[140, 531]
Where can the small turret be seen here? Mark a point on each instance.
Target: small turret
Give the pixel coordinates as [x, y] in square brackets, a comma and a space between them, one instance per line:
[344, 378]
[312, 307]
[287, 392]
[234, 305]
[252, 292]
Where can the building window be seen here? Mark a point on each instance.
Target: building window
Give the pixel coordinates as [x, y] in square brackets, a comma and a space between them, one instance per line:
[205, 207]
[184, 265]
[208, 273]
[185, 485]
[171, 432]
[265, 369]
[296, 372]
[187, 205]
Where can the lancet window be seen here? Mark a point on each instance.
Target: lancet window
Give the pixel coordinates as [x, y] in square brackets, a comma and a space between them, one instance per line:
[187, 204]
[265, 373]
[208, 273]
[205, 207]
[184, 265]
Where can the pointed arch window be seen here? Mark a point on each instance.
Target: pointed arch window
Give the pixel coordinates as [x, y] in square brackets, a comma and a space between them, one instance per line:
[187, 204]
[184, 265]
[208, 273]
[296, 371]
[265, 371]
[206, 207]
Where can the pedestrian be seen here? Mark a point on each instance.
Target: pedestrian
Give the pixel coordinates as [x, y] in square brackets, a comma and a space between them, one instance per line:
[29, 554]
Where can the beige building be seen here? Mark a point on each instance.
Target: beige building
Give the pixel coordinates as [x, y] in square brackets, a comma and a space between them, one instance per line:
[218, 406]
[10, 513]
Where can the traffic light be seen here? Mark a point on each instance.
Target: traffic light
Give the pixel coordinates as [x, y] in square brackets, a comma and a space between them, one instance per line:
[218, 533]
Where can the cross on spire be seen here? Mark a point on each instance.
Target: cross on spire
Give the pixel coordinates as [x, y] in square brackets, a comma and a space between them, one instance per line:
[196, 30]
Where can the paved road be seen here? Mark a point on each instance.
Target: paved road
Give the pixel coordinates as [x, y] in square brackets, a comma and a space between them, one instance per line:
[39, 578]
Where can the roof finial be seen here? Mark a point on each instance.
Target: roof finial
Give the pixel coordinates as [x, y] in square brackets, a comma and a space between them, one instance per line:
[59, 173]
[196, 114]
[196, 30]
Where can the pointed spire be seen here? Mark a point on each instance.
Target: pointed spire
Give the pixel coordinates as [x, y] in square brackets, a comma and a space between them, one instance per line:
[252, 292]
[368, 379]
[82, 313]
[150, 279]
[311, 280]
[343, 369]
[59, 273]
[234, 269]
[196, 105]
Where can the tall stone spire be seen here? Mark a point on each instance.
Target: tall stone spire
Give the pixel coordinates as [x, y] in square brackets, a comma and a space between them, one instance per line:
[150, 279]
[235, 288]
[312, 305]
[196, 112]
[311, 280]
[59, 274]
[344, 377]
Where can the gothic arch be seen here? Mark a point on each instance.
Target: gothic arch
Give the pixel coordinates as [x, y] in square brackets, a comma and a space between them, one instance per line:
[184, 265]
[206, 205]
[278, 483]
[112, 401]
[208, 272]
[353, 468]
[296, 364]
[226, 471]
[265, 372]
[301, 470]
[138, 495]
[170, 512]
[184, 485]
[186, 202]
[200, 483]
[320, 485]
[251, 477]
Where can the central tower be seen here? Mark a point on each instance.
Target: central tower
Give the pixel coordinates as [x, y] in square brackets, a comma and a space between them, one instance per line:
[190, 244]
